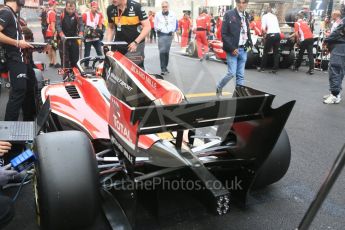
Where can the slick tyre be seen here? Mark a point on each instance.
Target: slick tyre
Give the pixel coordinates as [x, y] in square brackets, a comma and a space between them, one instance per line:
[252, 60]
[277, 164]
[192, 49]
[66, 181]
[287, 61]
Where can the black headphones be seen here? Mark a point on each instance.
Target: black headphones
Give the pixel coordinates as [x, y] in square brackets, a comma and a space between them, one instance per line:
[20, 2]
[165, 13]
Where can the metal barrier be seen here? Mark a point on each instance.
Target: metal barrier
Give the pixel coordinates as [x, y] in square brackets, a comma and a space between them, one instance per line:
[64, 48]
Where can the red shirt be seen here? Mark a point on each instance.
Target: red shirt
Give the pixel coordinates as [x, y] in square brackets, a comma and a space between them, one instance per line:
[302, 30]
[92, 17]
[219, 29]
[256, 26]
[203, 22]
[152, 21]
[51, 18]
[184, 24]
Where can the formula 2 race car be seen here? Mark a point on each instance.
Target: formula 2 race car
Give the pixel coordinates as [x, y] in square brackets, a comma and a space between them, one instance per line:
[216, 52]
[115, 128]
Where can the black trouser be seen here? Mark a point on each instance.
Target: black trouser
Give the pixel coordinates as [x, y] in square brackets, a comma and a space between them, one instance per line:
[22, 93]
[164, 44]
[271, 40]
[138, 57]
[70, 55]
[306, 45]
[153, 35]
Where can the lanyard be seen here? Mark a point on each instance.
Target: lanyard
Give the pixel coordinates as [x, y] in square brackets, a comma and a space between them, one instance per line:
[15, 21]
[119, 16]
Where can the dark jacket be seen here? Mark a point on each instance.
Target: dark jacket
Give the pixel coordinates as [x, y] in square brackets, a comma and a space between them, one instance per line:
[69, 25]
[338, 35]
[231, 30]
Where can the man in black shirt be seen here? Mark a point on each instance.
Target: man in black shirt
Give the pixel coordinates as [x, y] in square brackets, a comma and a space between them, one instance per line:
[69, 24]
[128, 22]
[22, 83]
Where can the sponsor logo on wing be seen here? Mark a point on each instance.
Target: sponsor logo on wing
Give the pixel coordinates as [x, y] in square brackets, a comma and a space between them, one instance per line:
[143, 76]
[117, 109]
[121, 128]
[121, 82]
[21, 75]
[122, 149]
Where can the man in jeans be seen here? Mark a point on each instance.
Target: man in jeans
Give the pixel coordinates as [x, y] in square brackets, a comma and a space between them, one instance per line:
[236, 40]
[336, 44]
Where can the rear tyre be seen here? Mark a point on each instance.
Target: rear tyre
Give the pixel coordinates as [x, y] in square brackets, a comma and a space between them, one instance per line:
[252, 60]
[287, 61]
[277, 164]
[192, 49]
[66, 181]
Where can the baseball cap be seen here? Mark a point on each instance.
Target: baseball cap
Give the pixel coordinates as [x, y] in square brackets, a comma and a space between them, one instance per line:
[52, 2]
[93, 3]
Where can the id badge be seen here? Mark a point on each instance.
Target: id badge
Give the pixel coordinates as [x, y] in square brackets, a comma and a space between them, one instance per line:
[118, 28]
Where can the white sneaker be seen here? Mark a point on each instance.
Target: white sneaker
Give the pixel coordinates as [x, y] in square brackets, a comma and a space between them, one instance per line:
[327, 95]
[331, 99]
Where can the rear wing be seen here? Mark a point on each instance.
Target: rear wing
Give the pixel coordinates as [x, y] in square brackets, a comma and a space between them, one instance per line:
[155, 119]
[128, 123]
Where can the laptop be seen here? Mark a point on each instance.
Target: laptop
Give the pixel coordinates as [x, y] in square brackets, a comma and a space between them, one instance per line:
[25, 131]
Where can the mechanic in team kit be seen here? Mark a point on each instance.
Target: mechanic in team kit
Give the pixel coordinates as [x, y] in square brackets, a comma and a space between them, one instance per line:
[93, 21]
[50, 35]
[305, 39]
[128, 21]
[271, 32]
[202, 29]
[22, 84]
[69, 24]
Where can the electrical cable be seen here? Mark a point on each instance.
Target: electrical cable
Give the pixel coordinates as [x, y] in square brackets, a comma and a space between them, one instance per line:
[20, 187]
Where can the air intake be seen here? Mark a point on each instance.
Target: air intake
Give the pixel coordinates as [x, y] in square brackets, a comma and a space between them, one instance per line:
[72, 91]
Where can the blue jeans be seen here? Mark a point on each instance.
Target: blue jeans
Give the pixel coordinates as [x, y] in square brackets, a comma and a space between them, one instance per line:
[236, 66]
[98, 47]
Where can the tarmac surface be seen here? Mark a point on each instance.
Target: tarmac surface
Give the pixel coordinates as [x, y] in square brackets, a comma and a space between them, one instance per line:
[316, 133]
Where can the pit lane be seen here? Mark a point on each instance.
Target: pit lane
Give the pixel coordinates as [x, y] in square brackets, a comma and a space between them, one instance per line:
[316, 133]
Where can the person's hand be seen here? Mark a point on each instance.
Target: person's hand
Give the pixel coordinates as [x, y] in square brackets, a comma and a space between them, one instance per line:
[132, 47]
[6, 174]
[23, 44]
[235, 52]
[4, 147]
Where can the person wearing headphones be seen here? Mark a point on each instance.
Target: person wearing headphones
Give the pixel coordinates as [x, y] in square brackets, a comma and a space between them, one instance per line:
[128, 21]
